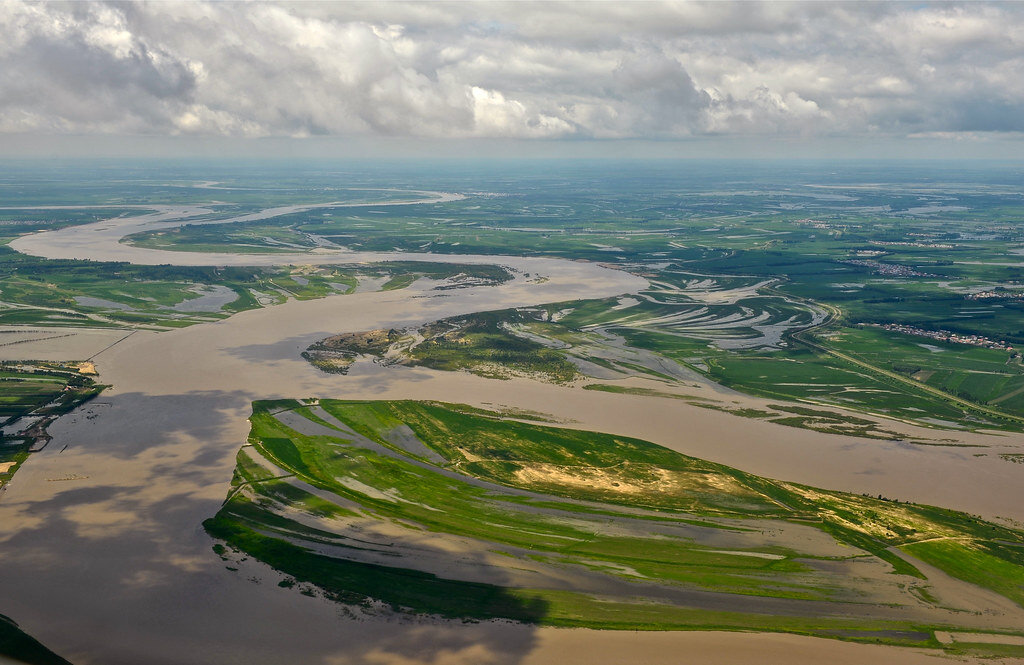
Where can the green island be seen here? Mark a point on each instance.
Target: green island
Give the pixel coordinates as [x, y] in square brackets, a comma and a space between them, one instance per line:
[33, 395]
[461, 513]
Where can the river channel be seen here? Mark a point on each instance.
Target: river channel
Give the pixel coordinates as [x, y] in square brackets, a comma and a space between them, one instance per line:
[105, 560]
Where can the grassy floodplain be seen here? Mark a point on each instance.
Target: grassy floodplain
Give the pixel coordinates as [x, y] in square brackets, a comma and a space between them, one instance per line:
[768, 283]
[479, 343]
[864, 244]
[467, 514]
[736, 333]
[35, 291]
[740, 261]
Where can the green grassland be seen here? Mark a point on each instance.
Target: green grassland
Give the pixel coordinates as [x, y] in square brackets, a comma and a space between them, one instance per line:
[478, 343]
[462, 513]
[14, 223]
[263, 239]
[239, 186]
[797, 245]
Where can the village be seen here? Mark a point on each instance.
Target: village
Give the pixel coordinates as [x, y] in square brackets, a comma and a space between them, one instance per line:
[947, 336]
[892, 269]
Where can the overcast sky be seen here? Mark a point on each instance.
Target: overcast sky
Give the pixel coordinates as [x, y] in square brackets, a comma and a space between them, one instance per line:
[642, 74]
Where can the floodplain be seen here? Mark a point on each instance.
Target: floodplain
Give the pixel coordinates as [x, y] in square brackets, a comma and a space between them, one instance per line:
[699, 399]
[468, 514]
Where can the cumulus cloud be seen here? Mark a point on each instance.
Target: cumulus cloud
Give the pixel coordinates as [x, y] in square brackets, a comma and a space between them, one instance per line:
[519, 70]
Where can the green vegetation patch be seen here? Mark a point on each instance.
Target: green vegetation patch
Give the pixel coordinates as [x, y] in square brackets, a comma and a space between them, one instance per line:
[479, 343]
[991, 565]
[464, 513]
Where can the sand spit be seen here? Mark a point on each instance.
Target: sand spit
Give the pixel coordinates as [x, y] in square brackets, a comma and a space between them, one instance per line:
[113, 567]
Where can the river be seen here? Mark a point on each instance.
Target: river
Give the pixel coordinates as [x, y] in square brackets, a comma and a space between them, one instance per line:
[105, 559]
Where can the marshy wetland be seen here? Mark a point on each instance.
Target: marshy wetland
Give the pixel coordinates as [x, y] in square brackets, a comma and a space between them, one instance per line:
[691, 430]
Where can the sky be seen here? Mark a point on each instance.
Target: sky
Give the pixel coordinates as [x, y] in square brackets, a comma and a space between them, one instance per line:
[519, 79]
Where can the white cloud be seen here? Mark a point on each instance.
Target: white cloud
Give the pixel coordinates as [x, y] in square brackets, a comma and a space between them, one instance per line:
[513, 70]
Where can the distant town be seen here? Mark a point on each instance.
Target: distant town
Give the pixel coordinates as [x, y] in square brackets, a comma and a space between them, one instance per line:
[990, 295]
[946, 336]
[892, 269]
[915, 243]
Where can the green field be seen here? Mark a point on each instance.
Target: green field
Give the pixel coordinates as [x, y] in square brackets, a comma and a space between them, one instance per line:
[447, 510]
[771, 280]
[478, 343]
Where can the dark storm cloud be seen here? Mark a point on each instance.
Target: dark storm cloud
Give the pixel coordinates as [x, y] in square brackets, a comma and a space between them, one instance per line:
[519, 70]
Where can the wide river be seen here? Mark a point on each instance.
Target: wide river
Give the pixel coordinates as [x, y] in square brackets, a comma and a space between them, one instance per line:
[105, 560]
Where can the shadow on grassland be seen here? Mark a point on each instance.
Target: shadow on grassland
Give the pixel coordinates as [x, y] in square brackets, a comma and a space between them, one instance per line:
[401, 589]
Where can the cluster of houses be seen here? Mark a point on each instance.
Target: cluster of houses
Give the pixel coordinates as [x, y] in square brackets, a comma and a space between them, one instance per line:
[989, 295]
[912, 243]
[890, 269]
[947, 336]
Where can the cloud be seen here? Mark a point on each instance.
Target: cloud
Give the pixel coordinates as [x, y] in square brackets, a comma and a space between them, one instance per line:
[511, 70]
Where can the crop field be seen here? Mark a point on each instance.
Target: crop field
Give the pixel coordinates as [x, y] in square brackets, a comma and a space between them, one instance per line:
[460, 513]
[986, 376]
